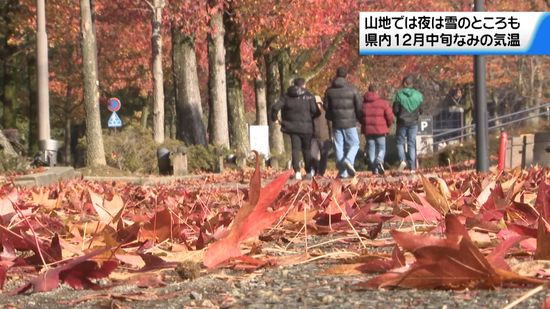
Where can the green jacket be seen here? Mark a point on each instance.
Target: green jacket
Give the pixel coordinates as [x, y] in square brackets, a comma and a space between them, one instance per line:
[407, 106]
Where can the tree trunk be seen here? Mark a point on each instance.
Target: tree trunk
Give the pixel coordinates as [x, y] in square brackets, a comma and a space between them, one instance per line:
[190, 126]
[533, 91]
[145, 111]
[261, 101]
[217, 118]
[6, 146]
[95, 154]
[259, 86]
[67, 130]
[158, 78]
[10, 87]
[285, 74]
[468, 108]
[33, 105]
[67, 139]
[238, 128]
[173, 117]
[276, 141]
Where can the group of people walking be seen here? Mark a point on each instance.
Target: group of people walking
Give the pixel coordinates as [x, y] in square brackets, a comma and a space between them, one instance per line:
[315, 125]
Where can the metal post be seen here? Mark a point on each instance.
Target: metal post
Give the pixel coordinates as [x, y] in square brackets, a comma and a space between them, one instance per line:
[482, 127]
[42, 72]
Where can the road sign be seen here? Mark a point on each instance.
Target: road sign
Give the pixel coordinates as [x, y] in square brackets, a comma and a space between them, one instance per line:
[114, 121]
[425, 125]
[113, 105]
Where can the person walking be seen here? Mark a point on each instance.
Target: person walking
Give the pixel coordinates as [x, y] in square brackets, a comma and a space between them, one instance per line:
[321, 142]
[377, 120]
[407, 107]
[343, 108]
[298, 109]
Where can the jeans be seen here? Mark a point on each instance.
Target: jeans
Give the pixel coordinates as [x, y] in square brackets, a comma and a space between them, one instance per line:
[301, 143]
[319, 155]
[346, 145]
[376, 149]
[409, 133]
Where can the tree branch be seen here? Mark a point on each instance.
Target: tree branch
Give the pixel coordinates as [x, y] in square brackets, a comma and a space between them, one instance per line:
[150, 5]
[325, 59]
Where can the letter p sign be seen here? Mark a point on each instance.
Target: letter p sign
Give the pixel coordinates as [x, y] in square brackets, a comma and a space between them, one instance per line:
[425, 125]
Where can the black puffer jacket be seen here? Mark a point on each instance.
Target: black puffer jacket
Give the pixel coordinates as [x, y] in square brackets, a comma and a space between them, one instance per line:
[298, 109]
[343, 104]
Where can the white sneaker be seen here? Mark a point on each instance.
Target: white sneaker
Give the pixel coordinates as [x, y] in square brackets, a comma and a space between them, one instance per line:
[349, 168]
[298, 176]
[402, 166]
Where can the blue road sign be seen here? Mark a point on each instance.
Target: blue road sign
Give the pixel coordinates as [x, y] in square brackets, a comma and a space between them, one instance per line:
[113, 104]
[114, 121]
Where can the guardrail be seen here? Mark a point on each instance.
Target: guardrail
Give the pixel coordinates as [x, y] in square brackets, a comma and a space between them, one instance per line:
[470, 129]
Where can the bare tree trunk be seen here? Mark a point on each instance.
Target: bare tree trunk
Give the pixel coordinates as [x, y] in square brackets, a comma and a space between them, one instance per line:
[190, 125]
[67, 130]
[285, 74]
[261, 101]
[218, 118]
[533, 90]
[6, 146]
[173, 118]
[33, 105]
[145, 111]
[9, 95]
[259, 86]
[238, 128]
[276, 141]
[158, 78]
[67, 139]
[95, 154]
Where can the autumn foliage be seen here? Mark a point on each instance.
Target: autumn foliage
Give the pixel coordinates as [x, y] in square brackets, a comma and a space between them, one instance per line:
[449, 230]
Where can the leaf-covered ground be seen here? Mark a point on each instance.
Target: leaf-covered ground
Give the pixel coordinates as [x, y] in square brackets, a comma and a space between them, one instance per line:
[463, 238]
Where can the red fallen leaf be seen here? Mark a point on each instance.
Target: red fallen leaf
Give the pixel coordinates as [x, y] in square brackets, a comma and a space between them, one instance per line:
[424, 212]
[250, 220]
[153, 262]
[496, 257]
[523, 230]
[247, 263]
[79, 276]
[338, 202]
[434, 197]
[49, 279]
[159, 228]
[453, 262]
[546, 304]
[6, 206]
[383, 264]
[336, 192]
[542, 205]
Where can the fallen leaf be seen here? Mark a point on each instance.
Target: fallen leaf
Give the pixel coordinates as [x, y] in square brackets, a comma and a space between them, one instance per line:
[251, 219]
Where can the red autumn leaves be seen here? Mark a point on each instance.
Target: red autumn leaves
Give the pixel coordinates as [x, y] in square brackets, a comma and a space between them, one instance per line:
[80, 232]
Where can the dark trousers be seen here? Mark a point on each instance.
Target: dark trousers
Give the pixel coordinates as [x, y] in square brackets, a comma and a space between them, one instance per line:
[301, 143]
[319, 155]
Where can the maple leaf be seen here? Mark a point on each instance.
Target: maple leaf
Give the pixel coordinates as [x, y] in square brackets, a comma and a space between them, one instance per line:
[6, 206]
[74, 272]
[109, 212]
[434, 197]
[453, 262]
[542, 205]
[159, 228]
[250, 220]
